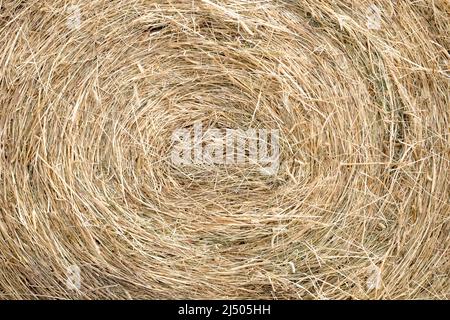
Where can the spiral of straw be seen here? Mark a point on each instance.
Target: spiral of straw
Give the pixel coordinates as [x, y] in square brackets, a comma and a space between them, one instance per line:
[92, 207]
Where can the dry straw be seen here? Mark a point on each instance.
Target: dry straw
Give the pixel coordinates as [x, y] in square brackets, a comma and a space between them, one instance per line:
[92, 207]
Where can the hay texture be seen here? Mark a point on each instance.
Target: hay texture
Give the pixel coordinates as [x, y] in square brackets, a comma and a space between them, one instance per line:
[92, 207]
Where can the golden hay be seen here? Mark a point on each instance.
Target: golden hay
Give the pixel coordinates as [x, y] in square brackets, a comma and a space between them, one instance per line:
[92, 91]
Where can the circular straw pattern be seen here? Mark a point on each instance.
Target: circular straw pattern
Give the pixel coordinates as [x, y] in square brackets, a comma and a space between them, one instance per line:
[93, 206]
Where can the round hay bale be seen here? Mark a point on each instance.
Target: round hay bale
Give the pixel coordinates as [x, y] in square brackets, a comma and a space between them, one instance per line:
[93, 95]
